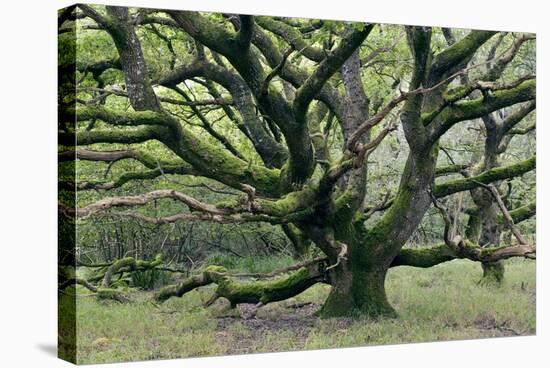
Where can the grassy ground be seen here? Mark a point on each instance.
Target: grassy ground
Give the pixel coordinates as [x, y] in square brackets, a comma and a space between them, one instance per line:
[441, 303]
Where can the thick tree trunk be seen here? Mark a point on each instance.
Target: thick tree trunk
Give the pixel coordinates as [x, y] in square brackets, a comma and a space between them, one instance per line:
[357, 292]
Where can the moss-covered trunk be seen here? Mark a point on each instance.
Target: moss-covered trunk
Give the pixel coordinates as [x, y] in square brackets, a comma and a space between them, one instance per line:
[358, 292]
[493, 273]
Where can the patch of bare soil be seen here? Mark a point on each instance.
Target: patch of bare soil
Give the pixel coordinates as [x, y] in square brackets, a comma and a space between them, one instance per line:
[486, 322]
[240, 332]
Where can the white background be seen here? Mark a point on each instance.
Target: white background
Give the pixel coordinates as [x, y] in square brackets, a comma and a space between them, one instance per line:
[28, 181]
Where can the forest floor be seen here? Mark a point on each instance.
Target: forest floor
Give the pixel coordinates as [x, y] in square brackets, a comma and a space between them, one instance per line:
[437, 304]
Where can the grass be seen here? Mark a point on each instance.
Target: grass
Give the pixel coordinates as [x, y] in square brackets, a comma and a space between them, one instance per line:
[440, 303]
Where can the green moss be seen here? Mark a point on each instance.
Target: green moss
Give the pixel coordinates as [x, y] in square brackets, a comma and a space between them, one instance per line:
[292, 202]
[129, 118]
[493, 274]
[377, 236]
[487, 177]
[263, 291]
[216, 269]
[345, 208]
[467, 110]
[521, 213]
[459, 52]
[139, 135]
[186, 285]
[300, 242]
[361, 293]
[424, 257]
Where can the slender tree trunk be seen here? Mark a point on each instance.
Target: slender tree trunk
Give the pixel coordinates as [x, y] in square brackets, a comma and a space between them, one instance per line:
[493, 273]
[300, 242]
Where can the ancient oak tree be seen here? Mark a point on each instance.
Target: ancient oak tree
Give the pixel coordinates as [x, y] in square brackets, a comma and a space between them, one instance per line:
[291, 115]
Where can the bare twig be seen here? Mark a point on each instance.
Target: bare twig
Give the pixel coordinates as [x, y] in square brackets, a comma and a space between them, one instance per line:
[341, 254]
[275, 71]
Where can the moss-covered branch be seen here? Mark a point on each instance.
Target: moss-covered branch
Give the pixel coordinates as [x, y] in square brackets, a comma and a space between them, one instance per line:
[178, 290]
[127, 136]
[141, 156]
[254, 292]
[329, 94]
[128, 118]
[468, 110]
[507, 125]
[129, 264]
[425, 257]
[210, 160]
[490, 176]
[273, 104]
[119, 25]
[294, 206]
[456, 56]
[105, 273]
[292, 36]
[136, 175]
[521, 213]
[272, 152]
[450, 169]
[419, 40]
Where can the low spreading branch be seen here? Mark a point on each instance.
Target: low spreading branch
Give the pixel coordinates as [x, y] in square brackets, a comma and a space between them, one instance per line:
[129, 263]
[105, 272]
[251, 292]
